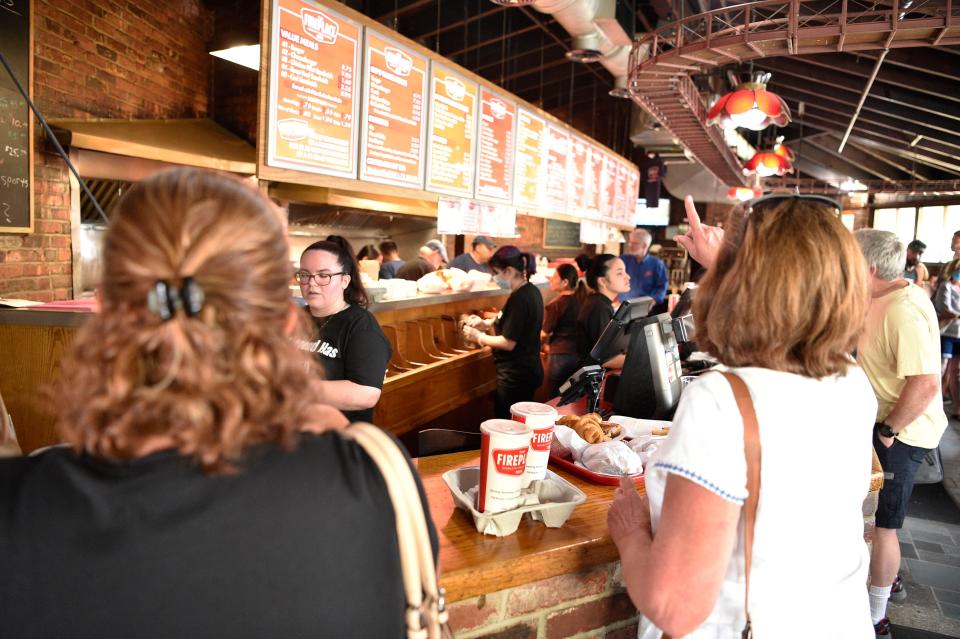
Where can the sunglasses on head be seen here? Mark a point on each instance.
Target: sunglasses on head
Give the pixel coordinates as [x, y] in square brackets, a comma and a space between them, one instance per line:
[776, 198]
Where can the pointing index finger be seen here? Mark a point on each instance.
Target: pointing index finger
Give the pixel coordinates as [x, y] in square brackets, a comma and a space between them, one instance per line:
[692, 216]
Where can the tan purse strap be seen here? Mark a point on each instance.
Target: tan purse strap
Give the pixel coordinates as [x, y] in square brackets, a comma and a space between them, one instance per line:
[751, 452]
[426, 615]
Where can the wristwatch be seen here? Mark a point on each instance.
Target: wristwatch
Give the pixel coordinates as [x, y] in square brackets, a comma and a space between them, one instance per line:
[884, 429]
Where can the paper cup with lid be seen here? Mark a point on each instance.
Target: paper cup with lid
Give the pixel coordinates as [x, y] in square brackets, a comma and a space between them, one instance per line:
[504, 444]
[541, 419]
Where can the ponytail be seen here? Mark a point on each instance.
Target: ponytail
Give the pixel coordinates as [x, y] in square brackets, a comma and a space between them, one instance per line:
[523, 263]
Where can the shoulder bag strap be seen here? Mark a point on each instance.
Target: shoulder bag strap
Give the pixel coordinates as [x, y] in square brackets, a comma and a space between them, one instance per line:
[751, 451]
[426, 615]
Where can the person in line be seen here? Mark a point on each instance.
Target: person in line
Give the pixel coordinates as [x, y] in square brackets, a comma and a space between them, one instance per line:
[433, 255]
[899, 350]
[789, 339]
[608, 279]
[560, 325]
[350, 343]
[948, 268]
[516, 344]
[370, 252]
[947, 304]
[648, 275]
[391, 262]
[205, 489]
[478, 257]
[915, 270]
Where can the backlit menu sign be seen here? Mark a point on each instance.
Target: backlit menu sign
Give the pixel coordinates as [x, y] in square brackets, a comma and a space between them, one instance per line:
[608, 188]
[451, 140]
[577, 160]
[558, 141]
[621, 211]
[392, 128]
[314, 58]
[592, 188]
[495, 150]
[530, 182]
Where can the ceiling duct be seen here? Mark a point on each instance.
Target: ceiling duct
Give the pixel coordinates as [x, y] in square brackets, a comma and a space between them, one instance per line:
[598, 36]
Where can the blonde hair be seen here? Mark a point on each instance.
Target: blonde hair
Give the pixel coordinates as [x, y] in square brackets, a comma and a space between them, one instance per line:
[217, 383]
[788, 292]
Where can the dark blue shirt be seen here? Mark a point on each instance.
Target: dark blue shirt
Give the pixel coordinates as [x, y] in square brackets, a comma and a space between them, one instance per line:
[648, 277]
[388, 270]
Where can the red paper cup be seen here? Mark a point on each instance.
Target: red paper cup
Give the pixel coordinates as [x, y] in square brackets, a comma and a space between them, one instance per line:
[504, 445]
[541, 418]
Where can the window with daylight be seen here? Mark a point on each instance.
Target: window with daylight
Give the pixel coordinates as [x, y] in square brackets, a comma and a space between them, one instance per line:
[932, 225]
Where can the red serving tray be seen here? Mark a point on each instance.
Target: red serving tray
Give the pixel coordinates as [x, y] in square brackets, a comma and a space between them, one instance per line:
[589, 475]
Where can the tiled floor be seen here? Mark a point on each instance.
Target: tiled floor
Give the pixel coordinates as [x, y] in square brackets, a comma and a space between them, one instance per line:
[930, 549]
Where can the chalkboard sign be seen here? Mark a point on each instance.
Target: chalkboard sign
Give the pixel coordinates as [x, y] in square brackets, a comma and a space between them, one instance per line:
[16, 123]
[558, 234]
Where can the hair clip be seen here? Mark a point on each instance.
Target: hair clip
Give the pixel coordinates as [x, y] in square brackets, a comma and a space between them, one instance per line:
[164, 300]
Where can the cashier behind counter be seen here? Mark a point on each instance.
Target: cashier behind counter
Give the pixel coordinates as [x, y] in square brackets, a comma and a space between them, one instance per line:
[608, 277]
[350, 343]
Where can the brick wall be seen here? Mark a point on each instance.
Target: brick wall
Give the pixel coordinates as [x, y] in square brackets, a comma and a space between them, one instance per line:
[589, 604]
[109, 59]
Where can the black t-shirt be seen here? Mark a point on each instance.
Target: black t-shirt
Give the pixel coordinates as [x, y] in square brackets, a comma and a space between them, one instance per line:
[595, 312]
[561, 323]
[296, 544]
[352, 346]
[520, 321]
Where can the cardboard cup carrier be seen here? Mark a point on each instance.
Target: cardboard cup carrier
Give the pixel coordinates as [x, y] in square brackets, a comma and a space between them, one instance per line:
[504, 444]
[541, 420]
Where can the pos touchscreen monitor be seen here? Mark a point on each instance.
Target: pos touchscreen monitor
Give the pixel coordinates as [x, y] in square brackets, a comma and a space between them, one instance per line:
[650, 383]
[614, 339]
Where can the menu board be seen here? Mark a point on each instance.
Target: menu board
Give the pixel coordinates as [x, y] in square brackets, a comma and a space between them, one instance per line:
[608, 186]
[558, 141]
[621, 210]
[314, 58]
[456, 216]
[451, 138]
[577, 160]
[594, 182]
[392, 129]
[496, 147]
[633, 187]
[530, 183]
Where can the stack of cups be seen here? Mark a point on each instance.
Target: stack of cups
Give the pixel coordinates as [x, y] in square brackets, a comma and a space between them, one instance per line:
[504, 444]
[541, 420]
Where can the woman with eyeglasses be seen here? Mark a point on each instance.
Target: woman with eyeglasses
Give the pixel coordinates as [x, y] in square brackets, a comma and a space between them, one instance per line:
[350, 343]
[788, 337]
[206, 489]
[516, 345]
[607, 277]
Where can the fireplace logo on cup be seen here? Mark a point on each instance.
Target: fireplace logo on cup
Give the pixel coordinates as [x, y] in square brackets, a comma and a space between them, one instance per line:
[510, 462]
[540, 440]
[319, 26]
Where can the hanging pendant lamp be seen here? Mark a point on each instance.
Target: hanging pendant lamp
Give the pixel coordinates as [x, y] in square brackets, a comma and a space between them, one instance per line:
[744, 193]
[766, 164]
[750, 106]
[784, 151]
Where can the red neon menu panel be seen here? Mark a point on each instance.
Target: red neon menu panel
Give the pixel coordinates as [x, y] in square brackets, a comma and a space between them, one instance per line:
[558, 141]
[392, 128]
[451, 140]
[577, 161]
[530, 177]
[312, 104]
[495, 150]
[594, 182]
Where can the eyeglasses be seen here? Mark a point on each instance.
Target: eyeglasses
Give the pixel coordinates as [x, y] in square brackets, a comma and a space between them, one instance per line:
[320, 279]
[776, 198]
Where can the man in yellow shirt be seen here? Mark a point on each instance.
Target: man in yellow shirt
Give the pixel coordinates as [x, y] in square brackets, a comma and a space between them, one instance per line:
[899, 351]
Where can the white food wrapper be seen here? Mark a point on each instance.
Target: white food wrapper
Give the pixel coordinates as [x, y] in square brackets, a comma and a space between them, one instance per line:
[567, 438]
[612, 458]
[645, 447]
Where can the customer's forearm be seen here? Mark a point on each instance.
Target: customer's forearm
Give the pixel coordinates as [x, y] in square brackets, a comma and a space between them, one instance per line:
[917, 393]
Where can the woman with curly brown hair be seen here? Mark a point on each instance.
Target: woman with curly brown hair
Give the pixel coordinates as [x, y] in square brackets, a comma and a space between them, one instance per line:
[205, 489]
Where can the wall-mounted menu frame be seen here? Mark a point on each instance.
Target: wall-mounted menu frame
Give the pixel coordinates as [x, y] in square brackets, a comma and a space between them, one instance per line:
[529, 182]
[16, 121]
[578, 152]
[557, 149]
[393, 122]
[451, 133]
[593, 188]
[314, 101]
[496, 142]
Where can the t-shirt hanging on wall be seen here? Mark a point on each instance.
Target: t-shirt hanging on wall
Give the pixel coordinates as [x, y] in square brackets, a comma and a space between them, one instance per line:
[652, 172]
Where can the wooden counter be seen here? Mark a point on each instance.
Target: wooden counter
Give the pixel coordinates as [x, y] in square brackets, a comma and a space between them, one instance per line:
[472, 564]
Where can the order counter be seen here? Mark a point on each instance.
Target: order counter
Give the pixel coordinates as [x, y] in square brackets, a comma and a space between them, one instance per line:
[431, 373]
